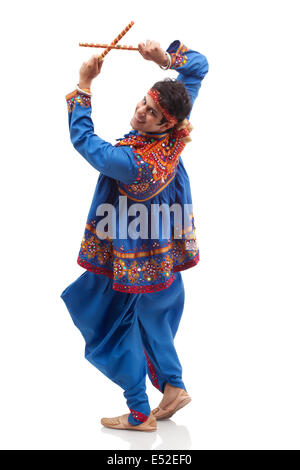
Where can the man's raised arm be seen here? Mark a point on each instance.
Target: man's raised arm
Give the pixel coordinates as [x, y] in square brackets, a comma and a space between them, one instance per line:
[117, 163]
[191, 65]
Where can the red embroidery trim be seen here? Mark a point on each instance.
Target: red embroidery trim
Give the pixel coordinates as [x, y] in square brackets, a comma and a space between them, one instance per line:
[139, 416]
[187, 265]
[143, 289]
[121, 287]
[152, 371]
[95, 269]
[139, 289]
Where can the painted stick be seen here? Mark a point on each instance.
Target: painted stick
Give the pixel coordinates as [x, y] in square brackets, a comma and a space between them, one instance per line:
[125, 30]
[104, 46]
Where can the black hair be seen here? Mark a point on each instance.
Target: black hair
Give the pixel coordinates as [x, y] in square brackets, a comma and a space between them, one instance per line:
[174, 97]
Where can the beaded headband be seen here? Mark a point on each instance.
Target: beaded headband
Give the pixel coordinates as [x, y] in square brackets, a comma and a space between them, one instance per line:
[155, 95]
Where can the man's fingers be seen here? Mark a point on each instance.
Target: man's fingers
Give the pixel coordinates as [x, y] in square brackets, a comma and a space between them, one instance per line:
[141, 47]
[92, 63]
[149, 50]
[100, 63]
[96, 62]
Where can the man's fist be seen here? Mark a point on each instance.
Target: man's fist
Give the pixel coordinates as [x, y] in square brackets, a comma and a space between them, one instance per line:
[152, 51]
[88, 71]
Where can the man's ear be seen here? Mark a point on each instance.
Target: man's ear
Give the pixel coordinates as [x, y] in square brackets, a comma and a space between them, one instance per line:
[166, 125]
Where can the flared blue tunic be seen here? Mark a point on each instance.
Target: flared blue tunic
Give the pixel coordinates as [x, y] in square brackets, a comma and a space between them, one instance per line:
[147, 263]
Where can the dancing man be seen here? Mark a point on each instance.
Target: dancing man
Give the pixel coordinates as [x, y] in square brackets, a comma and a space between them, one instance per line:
[129, 301]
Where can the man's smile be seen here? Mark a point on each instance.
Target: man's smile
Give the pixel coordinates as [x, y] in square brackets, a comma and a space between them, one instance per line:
[138, 120]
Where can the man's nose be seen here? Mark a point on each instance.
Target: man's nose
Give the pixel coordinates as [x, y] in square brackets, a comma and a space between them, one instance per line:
[141, 110]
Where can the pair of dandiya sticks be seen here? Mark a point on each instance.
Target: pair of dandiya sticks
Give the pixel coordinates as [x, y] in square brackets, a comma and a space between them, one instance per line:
[113, 45]
[153, 93]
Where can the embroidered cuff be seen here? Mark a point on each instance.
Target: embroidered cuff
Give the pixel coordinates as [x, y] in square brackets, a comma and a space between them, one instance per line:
[77, 97]
[177, 52]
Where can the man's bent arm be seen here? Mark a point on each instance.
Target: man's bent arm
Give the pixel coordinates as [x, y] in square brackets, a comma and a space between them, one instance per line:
[191, 66]
[117, 163]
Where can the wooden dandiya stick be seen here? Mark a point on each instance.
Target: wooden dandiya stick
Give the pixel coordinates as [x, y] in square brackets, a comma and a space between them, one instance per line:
[104, 46]
[125, 30]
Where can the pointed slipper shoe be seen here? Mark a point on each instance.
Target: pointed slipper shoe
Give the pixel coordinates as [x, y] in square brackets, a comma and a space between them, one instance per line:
[121, 422]
[179, 402]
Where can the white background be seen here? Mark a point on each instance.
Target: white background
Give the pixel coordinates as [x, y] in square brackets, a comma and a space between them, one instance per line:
[239, 337]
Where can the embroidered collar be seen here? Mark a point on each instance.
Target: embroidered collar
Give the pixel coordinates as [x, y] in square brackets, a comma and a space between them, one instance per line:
[161, 151]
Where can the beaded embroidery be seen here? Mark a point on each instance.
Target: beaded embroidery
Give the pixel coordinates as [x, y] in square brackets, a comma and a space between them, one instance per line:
[156, 160]
[178, 59]
[77, 97]
[149, 270]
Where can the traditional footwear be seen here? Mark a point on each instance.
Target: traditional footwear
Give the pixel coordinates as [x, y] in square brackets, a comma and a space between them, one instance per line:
[121, 422]
[179, 402]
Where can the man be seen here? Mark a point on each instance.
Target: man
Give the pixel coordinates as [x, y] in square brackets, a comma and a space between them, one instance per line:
[129, 301]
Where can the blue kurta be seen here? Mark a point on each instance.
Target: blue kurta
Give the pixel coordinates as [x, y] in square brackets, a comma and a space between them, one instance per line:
[146, 264]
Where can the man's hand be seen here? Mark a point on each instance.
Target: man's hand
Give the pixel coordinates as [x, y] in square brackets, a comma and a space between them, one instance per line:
[152, 51]
[88, 71]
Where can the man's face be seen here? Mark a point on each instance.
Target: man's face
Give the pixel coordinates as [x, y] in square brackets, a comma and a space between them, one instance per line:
[147, 117]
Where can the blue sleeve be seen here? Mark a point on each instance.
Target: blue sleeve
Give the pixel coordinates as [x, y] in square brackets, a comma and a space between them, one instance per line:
[116, 162]
[191, 66]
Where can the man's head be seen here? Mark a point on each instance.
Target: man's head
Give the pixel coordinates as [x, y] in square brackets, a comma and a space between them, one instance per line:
[172, 97]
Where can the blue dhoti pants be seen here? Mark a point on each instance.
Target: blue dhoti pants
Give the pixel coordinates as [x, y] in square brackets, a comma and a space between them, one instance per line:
[129, 335]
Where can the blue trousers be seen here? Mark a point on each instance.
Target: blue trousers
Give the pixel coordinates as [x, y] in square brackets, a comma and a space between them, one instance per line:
[129, 335]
